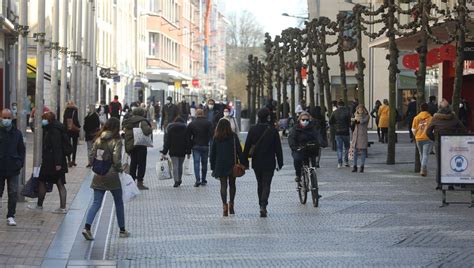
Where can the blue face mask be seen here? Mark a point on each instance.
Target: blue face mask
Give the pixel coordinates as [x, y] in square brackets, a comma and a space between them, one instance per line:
[7, 122]
[44, 122]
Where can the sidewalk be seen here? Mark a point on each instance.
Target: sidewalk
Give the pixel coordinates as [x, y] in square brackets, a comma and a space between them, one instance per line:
[27, 243]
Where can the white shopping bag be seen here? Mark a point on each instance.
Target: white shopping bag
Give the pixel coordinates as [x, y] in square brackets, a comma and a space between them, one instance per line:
[164, 169]
[129, 187]
[188, 166]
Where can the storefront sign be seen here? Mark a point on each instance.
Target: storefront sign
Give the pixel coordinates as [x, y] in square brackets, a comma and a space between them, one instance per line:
[350, 66]
[195, 82]
[177, 84]
[469, 51]
[457, 159]
[434, 56]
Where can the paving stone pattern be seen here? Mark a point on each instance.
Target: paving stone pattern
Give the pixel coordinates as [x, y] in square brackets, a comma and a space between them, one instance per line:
[388, 216]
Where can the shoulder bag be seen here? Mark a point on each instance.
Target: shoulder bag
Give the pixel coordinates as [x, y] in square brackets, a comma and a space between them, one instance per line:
[140, 139]
[238, 170]
[70, 124]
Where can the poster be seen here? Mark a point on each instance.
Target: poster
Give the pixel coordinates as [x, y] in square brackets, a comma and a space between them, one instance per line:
[457, 159]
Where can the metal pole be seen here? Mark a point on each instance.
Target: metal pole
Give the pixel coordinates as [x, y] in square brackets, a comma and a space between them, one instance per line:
[40, 40]
[77, 90]
[85, 64]
[72, 83]
[63, 49]
[21, 94]
[93, 56]
[54, 59]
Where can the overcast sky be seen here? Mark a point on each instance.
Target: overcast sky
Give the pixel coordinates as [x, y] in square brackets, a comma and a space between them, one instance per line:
[268, 12]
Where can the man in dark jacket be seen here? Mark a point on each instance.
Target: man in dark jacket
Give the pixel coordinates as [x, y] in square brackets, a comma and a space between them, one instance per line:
[91, 128]
[174, 143]
[267, 153]
[199, 134]
[115, 108]
[432, 105]
[169, 113]
[184, 109]
[410, 115]
[341, 121]
[12, 159]
[213, 112]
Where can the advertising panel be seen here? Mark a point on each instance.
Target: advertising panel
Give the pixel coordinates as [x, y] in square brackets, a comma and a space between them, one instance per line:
[457, 159]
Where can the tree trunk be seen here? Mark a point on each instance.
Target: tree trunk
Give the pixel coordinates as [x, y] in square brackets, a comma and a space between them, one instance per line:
[360, 58]
[320, 84]
[392, 82]
[342, 65]
[285, 96]
[249, 86]
[311, 83]
[459, 66]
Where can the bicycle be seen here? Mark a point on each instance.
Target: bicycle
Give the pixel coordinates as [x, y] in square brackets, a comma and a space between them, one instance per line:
[309, 179]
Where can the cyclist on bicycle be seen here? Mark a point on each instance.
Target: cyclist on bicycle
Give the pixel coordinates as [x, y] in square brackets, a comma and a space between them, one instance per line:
[303, 132]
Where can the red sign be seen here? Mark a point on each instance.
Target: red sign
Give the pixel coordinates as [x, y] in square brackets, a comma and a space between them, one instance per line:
[195, 82]
[350, 66]
[433, 57]
[303, 73]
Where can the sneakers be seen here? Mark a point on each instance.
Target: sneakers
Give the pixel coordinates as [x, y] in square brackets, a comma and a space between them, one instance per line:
[203, 183]
[60, 211]
[124, 234]
[87, 234]
[35, 207]
[197, 184]
[339, 165]
[11, 221]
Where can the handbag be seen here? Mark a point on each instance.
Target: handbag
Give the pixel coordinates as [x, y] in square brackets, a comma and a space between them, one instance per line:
[252, 148]
[188, 166]
[31, 187]
[238, 170]
[70, 124]
[140, 139]
[164, 168]
[129, 187]
[351, 153]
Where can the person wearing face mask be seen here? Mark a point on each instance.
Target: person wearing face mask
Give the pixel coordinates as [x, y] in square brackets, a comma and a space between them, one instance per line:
[211, 112]
[300, 135]
[170, 112]
[264, 145]
[233, 122]
[12, 157]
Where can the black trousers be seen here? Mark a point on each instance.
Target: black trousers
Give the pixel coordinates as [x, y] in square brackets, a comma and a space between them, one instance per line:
[74, 141]
[138, 162]
[384, 134]
[264, 181]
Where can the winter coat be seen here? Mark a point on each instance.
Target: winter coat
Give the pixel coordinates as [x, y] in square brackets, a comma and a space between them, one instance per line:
[341, 121]
[420, 125]
[199, 132]
[268, 152]
[112, 151]
[174, 140]
[151, 113]
[169, 114]
[444, 123]
[115, 108]
[129, 124]
[299, 136]
[223, 158]
[53, 154]
[384, 116]
[411, 111]
[91, 126]
[183, 109]
[213, 115]
[12, 151]
[360, 136]
[71, 112]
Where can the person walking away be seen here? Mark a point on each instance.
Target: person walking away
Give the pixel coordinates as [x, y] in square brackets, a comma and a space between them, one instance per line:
[184, 110]
[12, 157]
[199, 134]
[341, 121]
[384, 119]
[109, 146]
[267, 155]
[170, 112]
[126, 108]
[432, 105]
[225, 151]
[320, 124]
[91, 128]
[115, 108]
[233, 122]
[299, 136]
[410, 115]
[444, 121]
[175, 143]
[192, 111]
[71, 122]
[423, 142]
[158, 114]
[360, 136]
[103, 112]
[375, 114]
[138, 153]
[151, 115]
[53, 165]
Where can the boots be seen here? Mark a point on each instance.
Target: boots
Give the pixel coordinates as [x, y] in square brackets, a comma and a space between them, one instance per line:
[423, 172]
[141, 186]
[361, 169]
[354, 169]
[225, 210]
[263, 212]
[231, 208]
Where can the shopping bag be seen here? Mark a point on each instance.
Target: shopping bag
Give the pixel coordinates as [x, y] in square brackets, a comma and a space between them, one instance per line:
[31, 188]
[351, 153]
[140, 139]
[164, 169]
[188, 166]
[129, 187]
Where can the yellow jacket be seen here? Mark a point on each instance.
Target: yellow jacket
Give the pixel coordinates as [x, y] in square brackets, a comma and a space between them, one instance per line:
[420, 124]
[384, 116]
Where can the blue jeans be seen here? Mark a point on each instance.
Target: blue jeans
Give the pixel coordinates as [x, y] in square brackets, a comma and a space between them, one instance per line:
[342, 141]
[12, 188]
[424, 147]
[97, 203]
[363, 156]
[200, 156]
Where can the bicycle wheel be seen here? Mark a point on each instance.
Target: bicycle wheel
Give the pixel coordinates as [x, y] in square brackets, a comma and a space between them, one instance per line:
[303, 190]
[314, 188]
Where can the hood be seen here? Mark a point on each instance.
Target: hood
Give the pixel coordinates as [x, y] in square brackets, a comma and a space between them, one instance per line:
[139, 111]
[424, 115]
[132, 121]
[442, 116]
[106, 135]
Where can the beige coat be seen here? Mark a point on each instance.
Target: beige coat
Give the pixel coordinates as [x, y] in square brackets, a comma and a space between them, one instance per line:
[360, 137]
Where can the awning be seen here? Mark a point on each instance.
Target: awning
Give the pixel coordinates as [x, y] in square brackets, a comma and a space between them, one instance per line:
[31, 70]
[412, 42]
[166, 75]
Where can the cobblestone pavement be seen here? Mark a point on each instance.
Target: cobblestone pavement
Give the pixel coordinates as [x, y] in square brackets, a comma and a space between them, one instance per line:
[26, 244]
[388, 216]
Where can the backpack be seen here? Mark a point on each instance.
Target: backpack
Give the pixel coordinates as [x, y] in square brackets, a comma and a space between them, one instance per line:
[101, 165]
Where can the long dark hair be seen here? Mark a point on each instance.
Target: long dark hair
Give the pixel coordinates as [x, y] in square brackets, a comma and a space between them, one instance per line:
[112, 125]
[223, 130]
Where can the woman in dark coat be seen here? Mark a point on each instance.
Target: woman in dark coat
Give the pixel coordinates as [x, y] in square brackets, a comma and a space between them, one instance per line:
[225, 151]
[266, 154]
[71, 113]
[53, 165]
[175, 142]
[91, 128]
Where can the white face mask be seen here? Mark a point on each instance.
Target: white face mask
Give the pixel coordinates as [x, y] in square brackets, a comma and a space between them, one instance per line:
[211, 106]
[226, 114]
[169, 101]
